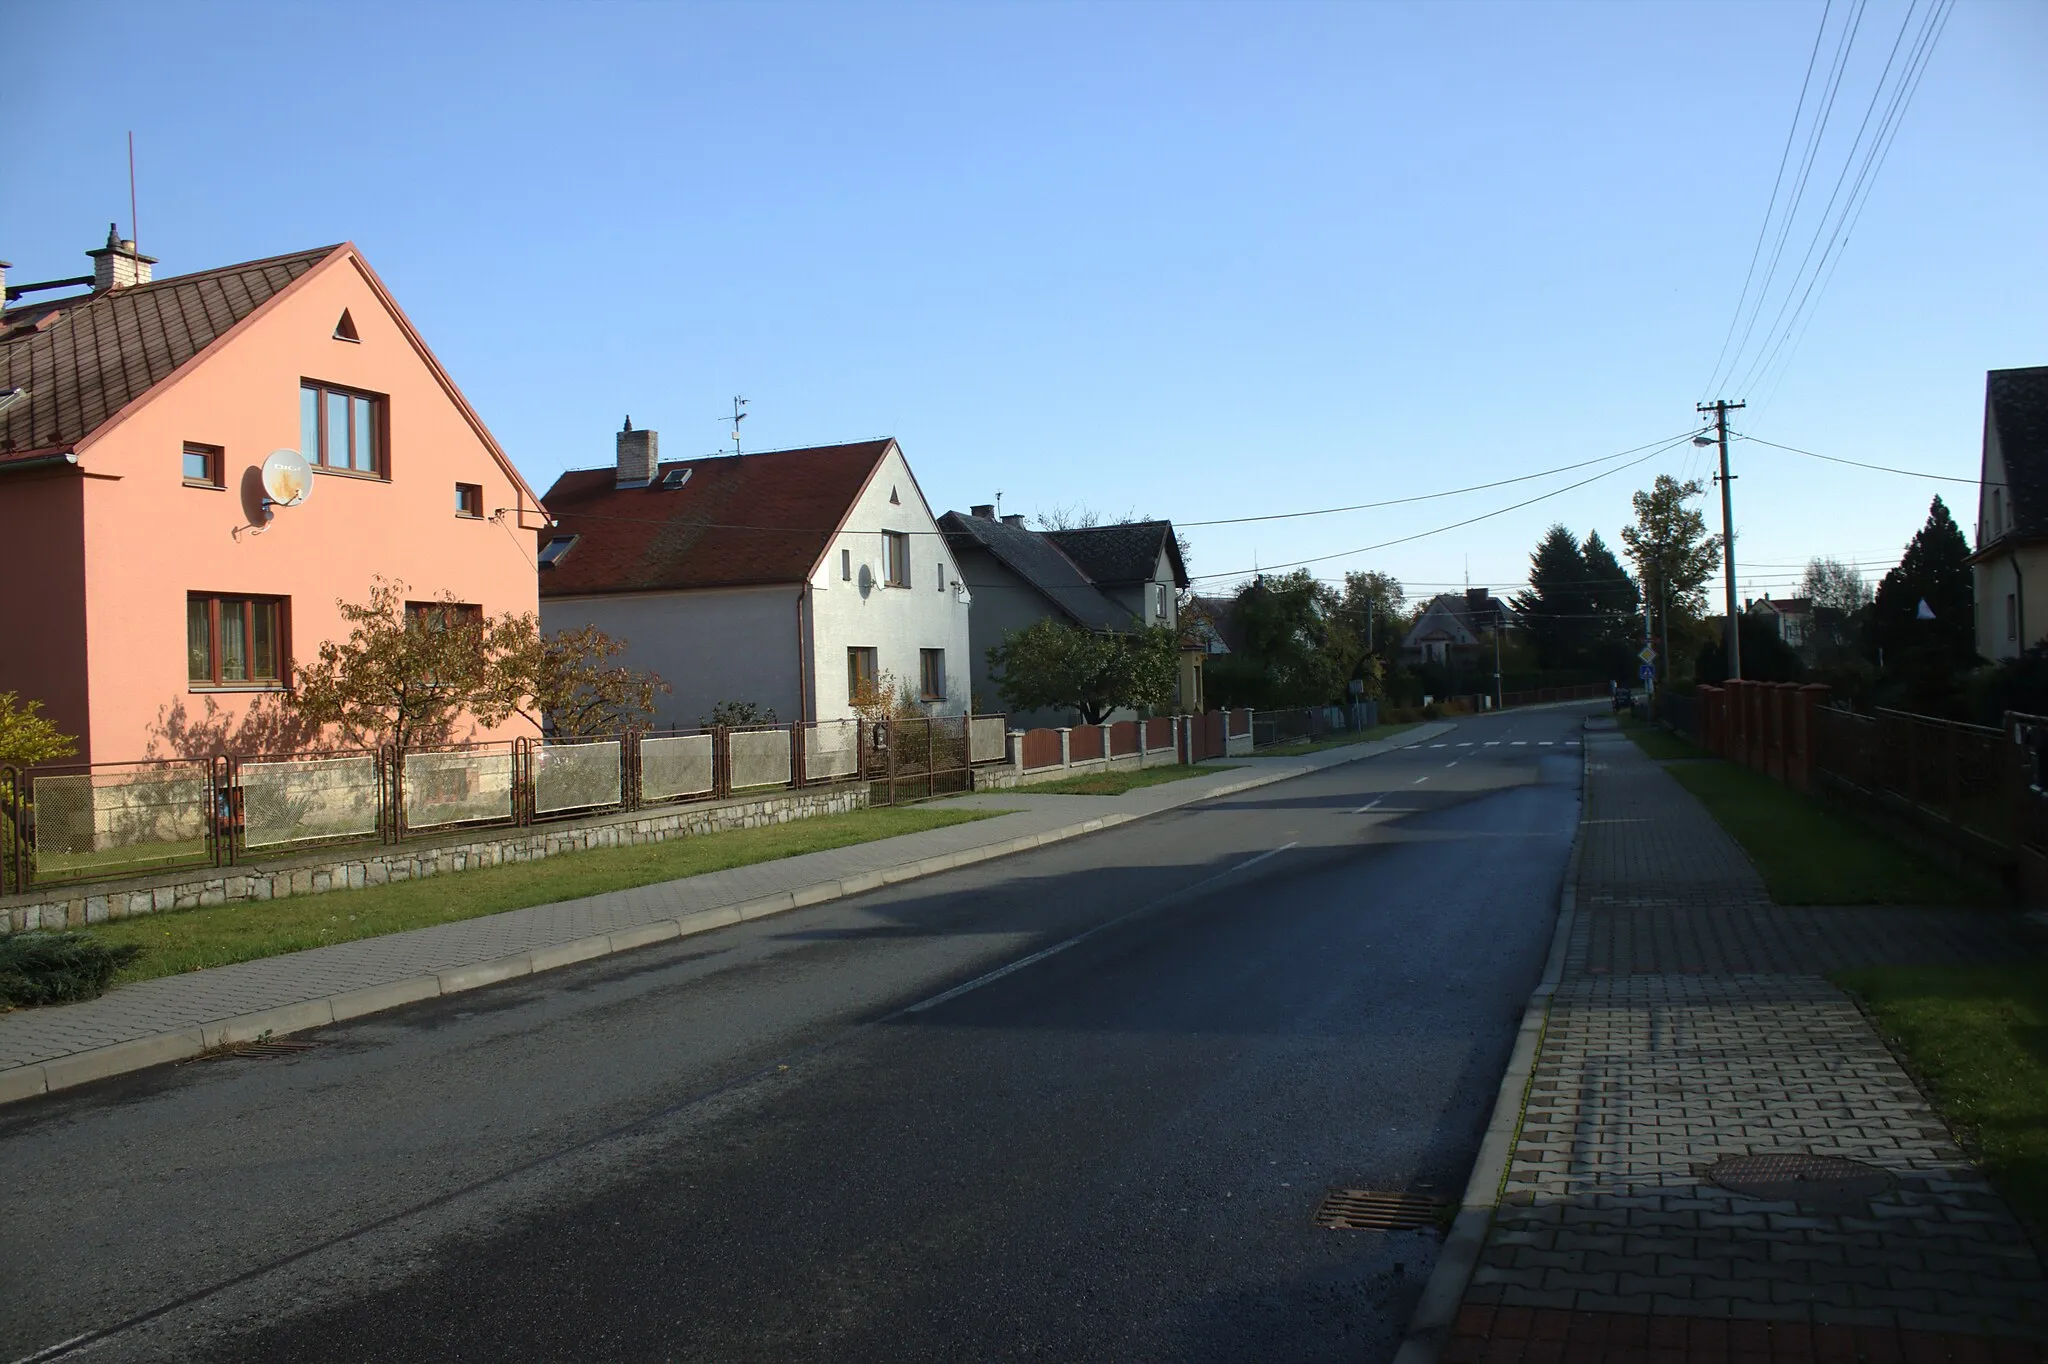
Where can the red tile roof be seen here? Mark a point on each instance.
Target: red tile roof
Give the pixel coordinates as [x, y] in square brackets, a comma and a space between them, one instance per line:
[740, 520]
[84, 358]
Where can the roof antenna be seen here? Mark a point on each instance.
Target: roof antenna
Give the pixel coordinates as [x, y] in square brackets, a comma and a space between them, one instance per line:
[999, 504]
[737, 417]
[134, 228]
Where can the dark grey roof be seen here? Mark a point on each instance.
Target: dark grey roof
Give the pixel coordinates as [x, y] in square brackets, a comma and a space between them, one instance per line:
[1128, 552]
[1034, 558]
[2016, 403]
[84, 358]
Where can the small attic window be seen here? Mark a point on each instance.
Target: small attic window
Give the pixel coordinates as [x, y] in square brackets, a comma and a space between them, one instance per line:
[894, 500]
[551, 553]
[345, 330]
[675, 478]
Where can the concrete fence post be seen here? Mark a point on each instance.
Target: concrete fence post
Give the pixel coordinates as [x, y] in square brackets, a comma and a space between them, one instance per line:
[1066, 746]
[1016, 751]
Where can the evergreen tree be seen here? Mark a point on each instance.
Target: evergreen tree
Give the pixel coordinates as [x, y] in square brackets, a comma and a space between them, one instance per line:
[1617, 629]
[1557, 607]
[1923, 661]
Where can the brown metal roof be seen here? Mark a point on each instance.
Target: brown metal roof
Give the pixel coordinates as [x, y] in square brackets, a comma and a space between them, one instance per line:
[740, 520]
[83, 359]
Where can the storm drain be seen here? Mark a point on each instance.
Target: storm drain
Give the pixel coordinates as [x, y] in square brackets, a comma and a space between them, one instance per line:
[1796, 1177]
[1375, 1210]
[262, 1046]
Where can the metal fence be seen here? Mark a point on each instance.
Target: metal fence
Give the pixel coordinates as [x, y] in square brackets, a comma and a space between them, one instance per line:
[1970, 776]
[62, 823]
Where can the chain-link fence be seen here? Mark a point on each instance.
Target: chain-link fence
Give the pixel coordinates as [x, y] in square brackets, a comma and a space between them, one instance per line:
[459, 786]
[831, 750]
[677, 767]
[988, 739]
[577, 774]
[758, 757]
[114, 819]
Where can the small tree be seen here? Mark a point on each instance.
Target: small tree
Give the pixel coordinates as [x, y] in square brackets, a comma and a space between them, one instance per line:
[735, 713]
[1052, 665]
[405, 676]
[26, 737]
[567, 684]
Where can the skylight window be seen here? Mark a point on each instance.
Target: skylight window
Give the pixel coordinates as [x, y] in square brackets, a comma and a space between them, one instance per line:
[675, 478]
[10, 396]
[551, 553]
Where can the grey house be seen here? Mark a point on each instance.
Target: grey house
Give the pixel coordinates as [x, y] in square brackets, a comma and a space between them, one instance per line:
[1100, 578]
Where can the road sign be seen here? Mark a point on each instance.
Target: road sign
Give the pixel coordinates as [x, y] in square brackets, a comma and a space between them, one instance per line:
[1648, 672]
[1648, 654]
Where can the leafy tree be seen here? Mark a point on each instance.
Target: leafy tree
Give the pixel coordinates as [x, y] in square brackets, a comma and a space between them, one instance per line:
[566, 684]
[1556, 608]
[26, 737]
[1298, 650]
[1674, 557]
[1834, 586]
[1374, 608]
[405, 677]
[1923, 661]
[1052, 665]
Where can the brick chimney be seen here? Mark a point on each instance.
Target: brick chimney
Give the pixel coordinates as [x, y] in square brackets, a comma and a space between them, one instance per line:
[985, 510]
[639, 456]
[1017, 521]
[118, 264]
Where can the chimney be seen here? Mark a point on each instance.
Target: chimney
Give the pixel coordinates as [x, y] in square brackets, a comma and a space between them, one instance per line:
[118, 264]
[1017, 521]
[5, 266]
[639, 456]
[985, 510]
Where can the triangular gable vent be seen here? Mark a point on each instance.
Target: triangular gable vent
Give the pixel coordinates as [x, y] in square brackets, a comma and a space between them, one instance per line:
[345, 330]
[894, 500]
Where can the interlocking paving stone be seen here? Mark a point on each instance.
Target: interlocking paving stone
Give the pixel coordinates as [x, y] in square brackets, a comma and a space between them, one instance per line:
[1694, 1021]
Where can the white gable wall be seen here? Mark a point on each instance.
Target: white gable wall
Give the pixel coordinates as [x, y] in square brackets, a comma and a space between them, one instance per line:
[896, 622]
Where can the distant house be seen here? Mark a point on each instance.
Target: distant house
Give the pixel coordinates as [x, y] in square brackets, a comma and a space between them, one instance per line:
[1100, 578]
[1454, 623]
[158, 602]
[1791, 617]
[2010, 566]
[788, 579]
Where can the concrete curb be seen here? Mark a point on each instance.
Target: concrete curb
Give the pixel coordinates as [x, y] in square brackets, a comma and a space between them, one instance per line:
[66, 1072]
[1436, 1312]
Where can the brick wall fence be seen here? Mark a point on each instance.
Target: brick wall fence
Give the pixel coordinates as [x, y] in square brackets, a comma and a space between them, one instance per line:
[352, 868]
[1053, 754]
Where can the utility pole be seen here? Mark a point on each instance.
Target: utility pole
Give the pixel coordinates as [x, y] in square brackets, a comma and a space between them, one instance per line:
[1721, 407]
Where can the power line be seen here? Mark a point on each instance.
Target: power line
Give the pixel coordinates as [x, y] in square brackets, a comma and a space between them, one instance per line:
[1763, 228]
[1880, 468]
[1455, 525]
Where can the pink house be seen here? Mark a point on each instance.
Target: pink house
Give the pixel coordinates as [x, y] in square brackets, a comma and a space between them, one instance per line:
[156, 604]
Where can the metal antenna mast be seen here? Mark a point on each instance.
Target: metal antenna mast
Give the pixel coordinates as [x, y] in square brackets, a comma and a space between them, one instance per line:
[737, 417]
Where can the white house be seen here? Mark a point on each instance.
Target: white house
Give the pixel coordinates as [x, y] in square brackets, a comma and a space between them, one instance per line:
[785, 579]
[2010, 566]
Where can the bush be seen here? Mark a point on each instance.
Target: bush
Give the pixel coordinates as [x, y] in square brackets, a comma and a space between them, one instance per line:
[56, 968]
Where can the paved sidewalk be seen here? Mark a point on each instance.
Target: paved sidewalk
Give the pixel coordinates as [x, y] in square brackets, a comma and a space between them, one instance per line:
[176, 1016]
[1692, 1023]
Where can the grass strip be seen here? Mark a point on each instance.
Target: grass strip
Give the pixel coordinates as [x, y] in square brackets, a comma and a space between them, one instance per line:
[1977, 1037]
[193, 939]
[1658, 742]
[1117, 782]
[1365, 736]
[1809, 854]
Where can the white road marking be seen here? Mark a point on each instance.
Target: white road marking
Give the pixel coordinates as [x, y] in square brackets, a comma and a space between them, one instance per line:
[1058, 947]
[1418, 781]
[1520, 743]
[1543, 743]
[1439, 745]
[1493, 743]
[1466, 744]
[1452, 763]
[1363, 808]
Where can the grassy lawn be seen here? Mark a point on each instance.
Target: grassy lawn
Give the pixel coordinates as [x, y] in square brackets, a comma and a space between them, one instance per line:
[1116, 783]
[1336, 741]
[1657, 741]
[1978, 1037]
[192, 939]
[1811, 855]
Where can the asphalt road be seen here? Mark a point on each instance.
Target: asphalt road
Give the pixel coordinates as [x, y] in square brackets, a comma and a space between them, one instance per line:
[853, 1131]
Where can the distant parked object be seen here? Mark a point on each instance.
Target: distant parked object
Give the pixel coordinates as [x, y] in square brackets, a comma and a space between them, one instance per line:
[789, 579]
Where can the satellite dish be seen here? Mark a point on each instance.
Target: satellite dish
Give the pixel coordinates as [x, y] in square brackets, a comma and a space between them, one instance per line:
[287, 478]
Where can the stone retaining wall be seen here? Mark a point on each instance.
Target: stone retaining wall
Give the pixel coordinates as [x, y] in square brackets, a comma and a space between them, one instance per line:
[358, 865]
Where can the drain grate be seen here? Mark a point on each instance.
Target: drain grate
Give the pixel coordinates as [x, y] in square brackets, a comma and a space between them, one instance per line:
[1375, 1210]
[1796, 1177]
[264, 1046]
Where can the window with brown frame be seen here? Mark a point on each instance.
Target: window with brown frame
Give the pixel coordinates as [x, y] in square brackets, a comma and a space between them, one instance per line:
[931, 674]
[895, 558]
[861, 671]
[469, 500]
[203, 465]
[342, 430]
[439, 615]
[235, 641]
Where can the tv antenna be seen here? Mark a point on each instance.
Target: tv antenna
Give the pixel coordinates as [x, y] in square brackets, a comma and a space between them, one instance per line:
[737, 417]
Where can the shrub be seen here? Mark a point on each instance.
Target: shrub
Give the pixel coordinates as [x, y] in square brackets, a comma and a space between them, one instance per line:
[55, 968]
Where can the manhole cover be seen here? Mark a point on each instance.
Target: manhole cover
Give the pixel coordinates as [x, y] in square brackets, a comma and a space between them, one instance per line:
[1794, 1177]
[1373, 1210]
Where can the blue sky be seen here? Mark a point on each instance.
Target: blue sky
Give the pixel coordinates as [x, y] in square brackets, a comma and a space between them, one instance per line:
[1187, 260]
